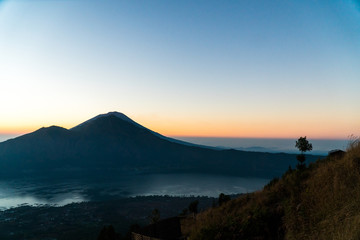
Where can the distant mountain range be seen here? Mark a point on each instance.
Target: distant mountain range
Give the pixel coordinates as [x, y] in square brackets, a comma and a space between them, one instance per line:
[114, 144]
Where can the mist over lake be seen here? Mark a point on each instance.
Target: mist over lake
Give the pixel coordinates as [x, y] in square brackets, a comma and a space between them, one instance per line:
[37, 192]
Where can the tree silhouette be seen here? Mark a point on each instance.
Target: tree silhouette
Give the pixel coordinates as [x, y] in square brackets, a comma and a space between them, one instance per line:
[303, 145]
[155, 216]
[193, 207]
[223, 198]
[108, 233]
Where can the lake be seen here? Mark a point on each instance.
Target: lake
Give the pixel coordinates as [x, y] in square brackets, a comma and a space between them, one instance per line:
[37, 192]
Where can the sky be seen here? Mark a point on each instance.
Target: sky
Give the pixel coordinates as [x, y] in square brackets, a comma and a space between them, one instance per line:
[259, 69]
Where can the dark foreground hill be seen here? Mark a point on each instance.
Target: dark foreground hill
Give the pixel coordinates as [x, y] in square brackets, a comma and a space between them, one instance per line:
[319, 202]
[114, 143]
[84, 221]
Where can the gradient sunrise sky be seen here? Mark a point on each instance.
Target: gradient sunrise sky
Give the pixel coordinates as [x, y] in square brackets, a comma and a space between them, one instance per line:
[183, 68]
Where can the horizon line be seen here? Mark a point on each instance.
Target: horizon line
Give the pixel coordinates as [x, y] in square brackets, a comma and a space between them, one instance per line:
[18, 134]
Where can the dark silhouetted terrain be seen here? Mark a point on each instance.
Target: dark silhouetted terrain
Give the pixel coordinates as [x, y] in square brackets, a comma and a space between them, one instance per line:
[83, 221]
[114, 144]
[317, 202]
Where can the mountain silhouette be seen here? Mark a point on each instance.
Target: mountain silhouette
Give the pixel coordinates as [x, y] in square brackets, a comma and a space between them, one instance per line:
[112, 143]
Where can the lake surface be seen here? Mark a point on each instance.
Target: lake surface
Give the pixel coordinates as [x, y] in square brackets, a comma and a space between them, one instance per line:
[37, 192]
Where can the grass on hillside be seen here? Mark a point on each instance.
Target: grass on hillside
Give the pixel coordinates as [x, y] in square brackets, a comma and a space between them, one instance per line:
[321, 201]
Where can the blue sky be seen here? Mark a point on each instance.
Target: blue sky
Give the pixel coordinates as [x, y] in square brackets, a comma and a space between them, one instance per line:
[190, 68]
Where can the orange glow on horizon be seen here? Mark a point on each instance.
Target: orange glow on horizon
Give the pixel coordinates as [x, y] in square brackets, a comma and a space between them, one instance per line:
[280, 130]
[222, 129]
[260, 135]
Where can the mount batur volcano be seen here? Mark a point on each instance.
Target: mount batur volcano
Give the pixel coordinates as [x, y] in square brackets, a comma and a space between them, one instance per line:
[114, 144]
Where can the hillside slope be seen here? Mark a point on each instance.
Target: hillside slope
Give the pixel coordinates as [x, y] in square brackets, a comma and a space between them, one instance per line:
[320, 202]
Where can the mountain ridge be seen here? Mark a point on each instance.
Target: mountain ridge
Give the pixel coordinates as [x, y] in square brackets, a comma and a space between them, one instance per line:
[108, 141]
[113, 113]
[126, 118]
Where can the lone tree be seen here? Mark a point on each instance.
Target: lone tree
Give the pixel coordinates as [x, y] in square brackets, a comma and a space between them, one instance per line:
[303, 145]
[108, 233]
[193, 207]
[223, 198]
[155, 216]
